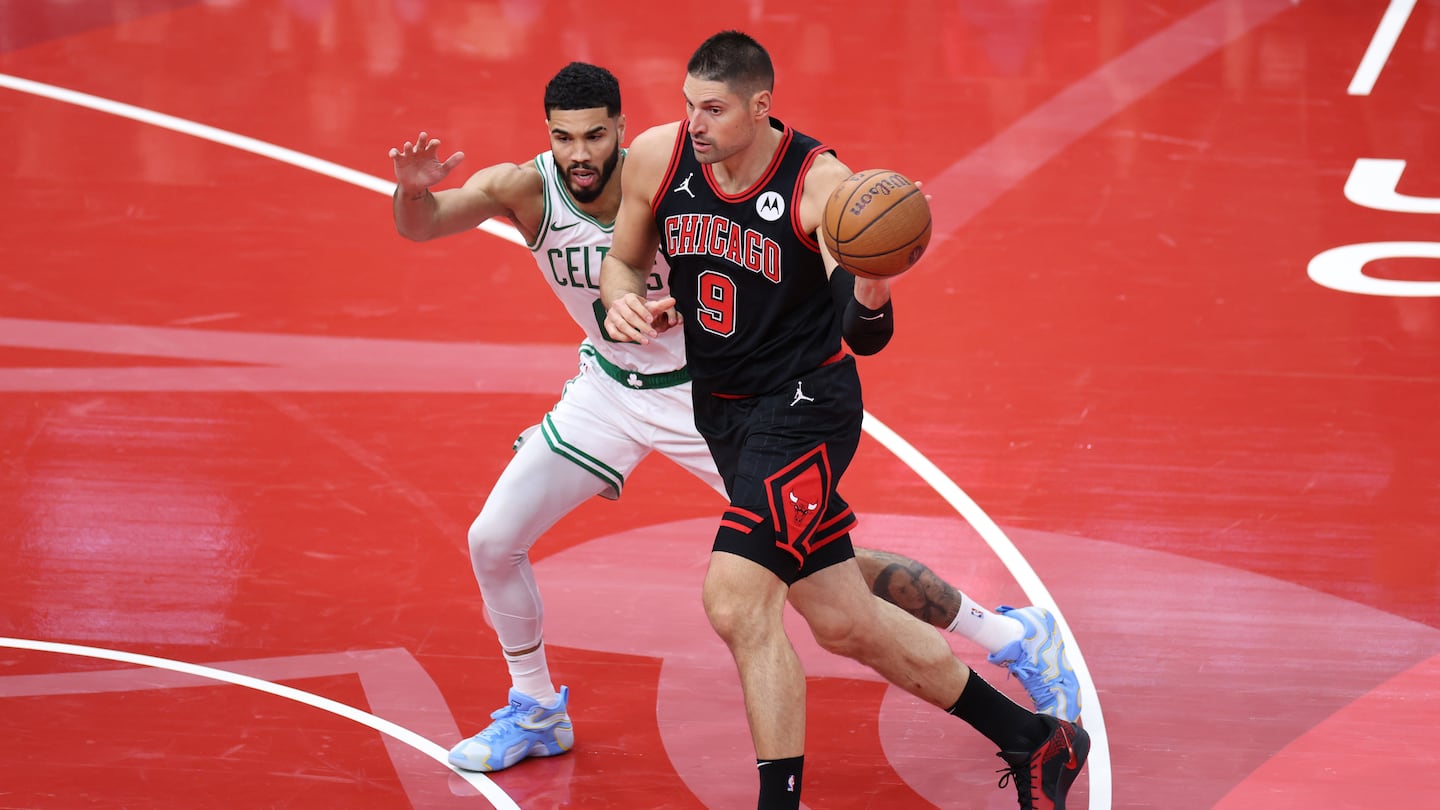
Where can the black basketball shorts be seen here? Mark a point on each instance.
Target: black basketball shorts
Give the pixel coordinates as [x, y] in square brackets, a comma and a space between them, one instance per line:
[782, 455]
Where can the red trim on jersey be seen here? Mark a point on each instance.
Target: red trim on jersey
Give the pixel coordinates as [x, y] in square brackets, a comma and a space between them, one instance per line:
[730, 524]
[834, 358]
[788, 134]
[805, 238]
[680, 139]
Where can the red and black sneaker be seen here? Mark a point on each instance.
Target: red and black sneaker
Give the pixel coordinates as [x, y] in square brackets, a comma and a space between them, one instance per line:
[1053, 766]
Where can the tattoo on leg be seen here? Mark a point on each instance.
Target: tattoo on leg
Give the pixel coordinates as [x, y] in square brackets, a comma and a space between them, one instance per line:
[912, 586]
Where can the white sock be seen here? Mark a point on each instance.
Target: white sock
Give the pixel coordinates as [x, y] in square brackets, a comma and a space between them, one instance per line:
[993, 631]
[530, 675]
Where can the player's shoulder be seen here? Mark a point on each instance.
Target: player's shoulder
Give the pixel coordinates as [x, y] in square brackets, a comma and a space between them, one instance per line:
[648, 157]
[825, 173]
[657, 142]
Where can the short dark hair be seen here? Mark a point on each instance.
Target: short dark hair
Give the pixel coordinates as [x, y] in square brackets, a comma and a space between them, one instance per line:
[582, 86]
[737, 60]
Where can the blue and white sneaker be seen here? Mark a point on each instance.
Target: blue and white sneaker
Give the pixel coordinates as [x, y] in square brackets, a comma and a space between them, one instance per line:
[1038, 661]
[522, 729]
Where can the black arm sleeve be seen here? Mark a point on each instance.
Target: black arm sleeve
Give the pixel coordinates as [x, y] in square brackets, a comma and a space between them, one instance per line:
[865, 330]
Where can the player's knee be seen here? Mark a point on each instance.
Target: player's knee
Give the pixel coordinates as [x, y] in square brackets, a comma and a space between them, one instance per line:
[736, 617]
[489, 550]
[725, 613]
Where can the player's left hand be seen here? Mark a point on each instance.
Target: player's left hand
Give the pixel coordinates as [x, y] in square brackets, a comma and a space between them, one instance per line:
[633, 319]
[417, 165]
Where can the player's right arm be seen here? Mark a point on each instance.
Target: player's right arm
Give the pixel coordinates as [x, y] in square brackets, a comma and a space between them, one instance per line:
[867, 316]
[623, 274]
[503, 190]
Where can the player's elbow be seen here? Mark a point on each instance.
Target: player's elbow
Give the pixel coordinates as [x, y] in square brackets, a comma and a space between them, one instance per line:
[867, 346]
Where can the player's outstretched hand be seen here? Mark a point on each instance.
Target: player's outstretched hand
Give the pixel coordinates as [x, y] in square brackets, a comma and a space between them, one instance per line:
[417, 167]
[633, 319]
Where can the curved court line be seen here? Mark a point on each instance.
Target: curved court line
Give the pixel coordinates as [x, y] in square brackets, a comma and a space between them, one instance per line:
[994, 536]
[1030, 582]
[487, 788]
[243, 143]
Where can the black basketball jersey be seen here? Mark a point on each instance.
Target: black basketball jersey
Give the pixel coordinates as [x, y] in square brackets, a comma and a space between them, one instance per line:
[749, 284]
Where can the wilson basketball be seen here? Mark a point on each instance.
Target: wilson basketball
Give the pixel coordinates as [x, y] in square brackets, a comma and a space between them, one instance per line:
[877, 223]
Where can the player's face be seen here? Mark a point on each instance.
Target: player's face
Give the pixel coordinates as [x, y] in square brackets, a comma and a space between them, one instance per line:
[586, 144]
[906, 593]
[720, 122]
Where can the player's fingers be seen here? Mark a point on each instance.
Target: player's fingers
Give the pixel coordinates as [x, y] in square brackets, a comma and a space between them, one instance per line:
[637, 312]
[638, 315]
[667, 321]
[620, 323]
[661, 312]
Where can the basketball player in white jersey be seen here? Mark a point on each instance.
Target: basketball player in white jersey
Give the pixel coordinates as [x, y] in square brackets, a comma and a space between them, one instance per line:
[627, 401]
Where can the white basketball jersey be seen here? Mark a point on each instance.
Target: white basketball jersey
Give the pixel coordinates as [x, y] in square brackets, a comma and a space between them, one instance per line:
[568, 249]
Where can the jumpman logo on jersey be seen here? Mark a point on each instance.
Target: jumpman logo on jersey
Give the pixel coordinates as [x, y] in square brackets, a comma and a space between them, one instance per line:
[800, 394]
[685, 186]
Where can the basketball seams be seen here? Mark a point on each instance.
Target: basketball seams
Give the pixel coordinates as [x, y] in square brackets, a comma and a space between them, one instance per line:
[888, 249]
[887, 212]
[905, 248]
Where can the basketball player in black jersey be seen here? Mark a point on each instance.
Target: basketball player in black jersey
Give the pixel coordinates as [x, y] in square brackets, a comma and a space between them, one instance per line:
[734, 197]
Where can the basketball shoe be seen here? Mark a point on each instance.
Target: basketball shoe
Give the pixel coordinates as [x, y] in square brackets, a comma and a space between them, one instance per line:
[522, 729]
[1043, 776]
[1038, 661]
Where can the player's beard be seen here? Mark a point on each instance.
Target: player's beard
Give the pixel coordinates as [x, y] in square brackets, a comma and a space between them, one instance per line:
[590, 194]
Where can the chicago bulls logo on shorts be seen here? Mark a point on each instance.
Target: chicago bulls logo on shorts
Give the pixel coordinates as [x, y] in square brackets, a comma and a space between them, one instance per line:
[799, 495]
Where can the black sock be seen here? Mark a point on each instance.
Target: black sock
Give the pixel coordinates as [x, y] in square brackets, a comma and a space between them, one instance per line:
[998, 717]
[780, 783]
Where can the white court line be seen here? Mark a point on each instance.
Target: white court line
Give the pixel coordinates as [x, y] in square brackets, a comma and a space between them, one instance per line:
[486, 787]
[220, 136]
[1386, 34]
[1030, 582]
[1099, 762]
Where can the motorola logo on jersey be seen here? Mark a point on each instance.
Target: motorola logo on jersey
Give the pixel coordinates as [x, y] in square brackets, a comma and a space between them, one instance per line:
[770, 206]
[714, 235]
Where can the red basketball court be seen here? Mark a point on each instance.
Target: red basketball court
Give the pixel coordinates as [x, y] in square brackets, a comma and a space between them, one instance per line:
[1171, 366]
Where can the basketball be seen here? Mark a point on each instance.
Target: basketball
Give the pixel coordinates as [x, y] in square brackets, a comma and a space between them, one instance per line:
[877, 223]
